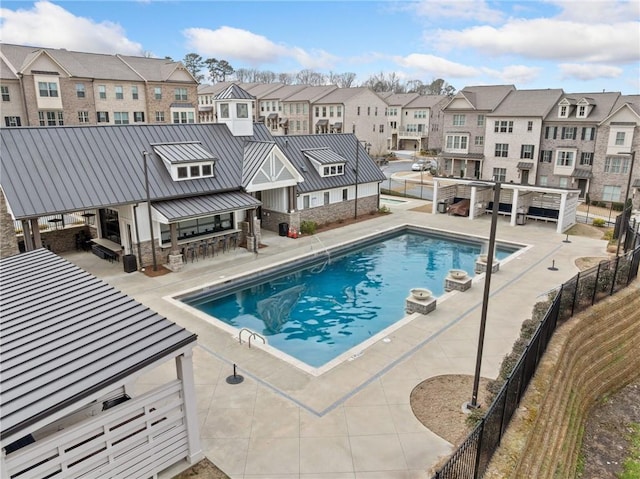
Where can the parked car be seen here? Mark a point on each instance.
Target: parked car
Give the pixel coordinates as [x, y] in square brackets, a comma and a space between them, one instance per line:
[423, 164]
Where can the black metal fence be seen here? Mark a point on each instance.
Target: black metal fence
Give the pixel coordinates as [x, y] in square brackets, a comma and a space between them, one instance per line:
[471, 458]
[409, 188]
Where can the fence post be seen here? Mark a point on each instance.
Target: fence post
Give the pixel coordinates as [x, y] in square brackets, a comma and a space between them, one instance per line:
[595, 286]
[575, 293]
[405, 188]
[615, 274]
[476, 467]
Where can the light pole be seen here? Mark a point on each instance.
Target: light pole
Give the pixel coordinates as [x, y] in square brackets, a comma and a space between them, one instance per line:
[485, 298]
[626, 198]
[355, 216]
[145, 154]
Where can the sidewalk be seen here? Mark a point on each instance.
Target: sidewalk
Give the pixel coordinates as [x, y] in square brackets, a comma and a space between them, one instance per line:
[354, 421]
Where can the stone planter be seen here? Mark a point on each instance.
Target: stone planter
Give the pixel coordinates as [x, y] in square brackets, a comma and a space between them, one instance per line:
[457, 274]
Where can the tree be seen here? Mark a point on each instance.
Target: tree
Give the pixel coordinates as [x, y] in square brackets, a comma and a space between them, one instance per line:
[342, 80]
[286, 78]
[310, 77]
[194, 64]
[382, 82]
[219, 70]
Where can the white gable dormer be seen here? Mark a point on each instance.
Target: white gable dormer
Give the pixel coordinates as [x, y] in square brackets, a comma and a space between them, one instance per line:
[234, 108]
[266, 167]
[565, 107]
[584, 107]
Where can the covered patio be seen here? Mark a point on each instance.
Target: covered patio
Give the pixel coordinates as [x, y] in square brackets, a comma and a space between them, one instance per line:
[518, 202]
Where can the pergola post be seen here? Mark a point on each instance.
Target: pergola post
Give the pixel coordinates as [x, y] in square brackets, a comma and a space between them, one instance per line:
[563, 206]
[514, 207]
[35, 228]
[184, 371]
[26, 234]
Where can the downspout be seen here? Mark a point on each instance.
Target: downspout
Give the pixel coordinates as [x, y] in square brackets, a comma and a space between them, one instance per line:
[24, 99]
[135, 222]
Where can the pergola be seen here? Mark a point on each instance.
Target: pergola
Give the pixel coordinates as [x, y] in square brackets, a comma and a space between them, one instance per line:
[517, 201]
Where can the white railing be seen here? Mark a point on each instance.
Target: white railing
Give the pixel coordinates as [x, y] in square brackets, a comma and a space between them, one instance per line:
[136, 439]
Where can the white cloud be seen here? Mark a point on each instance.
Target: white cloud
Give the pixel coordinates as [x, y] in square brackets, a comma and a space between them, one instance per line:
[597, 11]
[49, 25]
[242, 45]
[588, 72]
[477, 10]
[551, 39]
[520, 74]
[436, 66]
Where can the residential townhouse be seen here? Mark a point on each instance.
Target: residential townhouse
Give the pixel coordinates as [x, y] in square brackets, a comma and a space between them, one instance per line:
[617, 139]
[398, 138]
[421, 120]
[272, 110]
[297, 108]
[568, 144]
[54, 87]
[464, 129]
[512, 135]
[356, 110]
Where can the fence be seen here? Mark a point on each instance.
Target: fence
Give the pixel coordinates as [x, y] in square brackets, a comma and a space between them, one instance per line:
[471, 458]
[53, 222]
[408, 188]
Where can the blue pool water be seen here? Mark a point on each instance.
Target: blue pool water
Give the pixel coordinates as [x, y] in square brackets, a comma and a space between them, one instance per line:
[318, 312]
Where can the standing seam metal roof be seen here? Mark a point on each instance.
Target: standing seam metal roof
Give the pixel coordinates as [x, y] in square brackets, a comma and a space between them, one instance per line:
[65, 335]
[185, 208]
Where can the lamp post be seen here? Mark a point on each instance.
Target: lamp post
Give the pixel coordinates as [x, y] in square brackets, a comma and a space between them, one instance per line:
[355, 216]
[626, 198]
[485, 298]
[145, 154]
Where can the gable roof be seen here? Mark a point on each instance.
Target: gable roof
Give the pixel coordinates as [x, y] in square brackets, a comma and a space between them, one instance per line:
[183, 152]
[66, 335]
[311, 93]
[342, 144]
[55, 170]
[602, 103]
[94, 65]
[234, 92]
[484, 97]
[528, 103]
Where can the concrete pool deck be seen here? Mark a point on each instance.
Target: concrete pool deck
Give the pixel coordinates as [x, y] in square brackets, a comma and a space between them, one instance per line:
[355, 420]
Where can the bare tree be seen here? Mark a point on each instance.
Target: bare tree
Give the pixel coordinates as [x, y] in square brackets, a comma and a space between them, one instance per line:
[286, 78]
[383, 82]
[310, 77]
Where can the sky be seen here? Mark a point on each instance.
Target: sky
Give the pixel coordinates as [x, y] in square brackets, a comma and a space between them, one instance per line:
[579, 46]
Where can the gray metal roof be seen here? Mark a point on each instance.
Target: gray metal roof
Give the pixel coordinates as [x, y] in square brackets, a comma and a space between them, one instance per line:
[65, 335]
[342, 144]
[219, 203]
[254, 154]
[187, 152]
[582, 173]
[324, 156]
[54, 170]
[234, 92]
[63, 169]
[525, 165]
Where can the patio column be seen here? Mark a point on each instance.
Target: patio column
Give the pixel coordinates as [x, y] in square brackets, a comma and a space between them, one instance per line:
[434, 202]
[184, 370]
[173, 231]
[37, 239]
[291, 199]
[563, 206]
[472, 205]
[26, 234]
[514, 207]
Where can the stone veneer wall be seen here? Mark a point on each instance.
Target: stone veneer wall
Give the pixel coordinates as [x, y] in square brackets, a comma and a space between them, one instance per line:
[63, 240]
[592, 355]
[321, 214]
[8, 240]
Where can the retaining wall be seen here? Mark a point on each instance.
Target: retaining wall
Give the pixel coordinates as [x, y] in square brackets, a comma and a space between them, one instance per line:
[592, 355]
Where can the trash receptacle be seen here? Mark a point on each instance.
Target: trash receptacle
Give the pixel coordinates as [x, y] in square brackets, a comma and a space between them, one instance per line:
[442, 206]
[130, 263]
[283, 229]
[521, 218]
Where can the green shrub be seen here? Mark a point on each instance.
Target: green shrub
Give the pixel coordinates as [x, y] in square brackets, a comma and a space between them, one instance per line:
[384, 209]
[308, 227]
[599, 222]
[608, 235]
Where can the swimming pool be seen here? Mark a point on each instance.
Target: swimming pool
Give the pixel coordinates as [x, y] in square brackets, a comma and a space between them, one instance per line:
[318, 309]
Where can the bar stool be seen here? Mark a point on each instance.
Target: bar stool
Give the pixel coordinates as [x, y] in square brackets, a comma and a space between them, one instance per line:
[202, 248]
[211, 244]
[234, 239]
[191, 251]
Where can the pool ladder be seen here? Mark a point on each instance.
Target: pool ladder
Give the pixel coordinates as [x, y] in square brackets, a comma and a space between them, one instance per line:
[252, 334]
